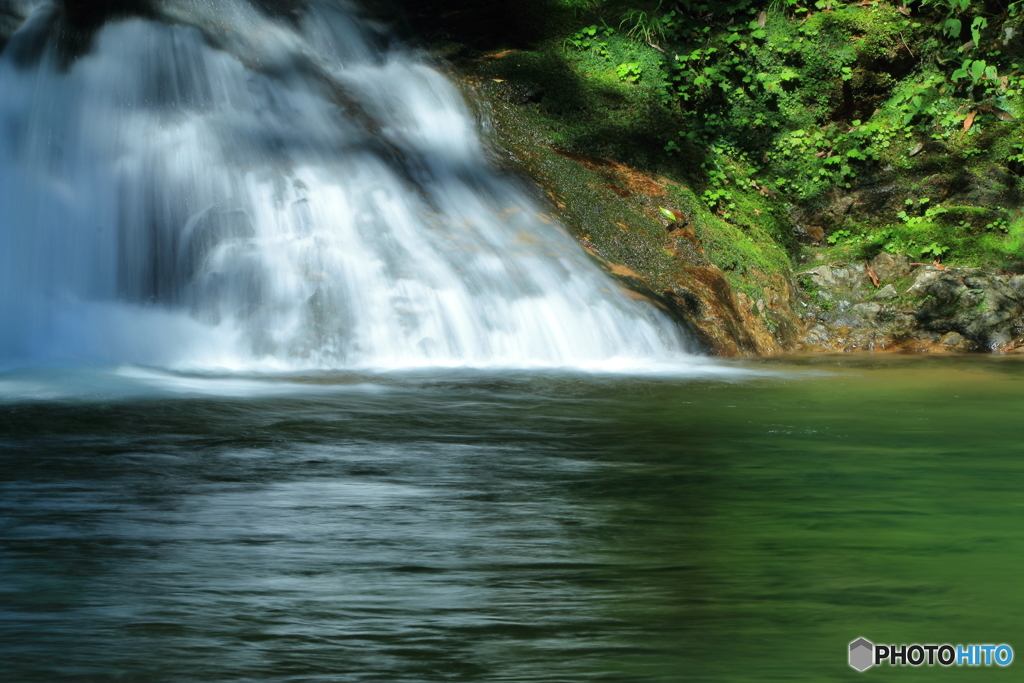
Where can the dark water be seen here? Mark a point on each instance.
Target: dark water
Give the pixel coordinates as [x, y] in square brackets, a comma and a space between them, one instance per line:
[514, 527]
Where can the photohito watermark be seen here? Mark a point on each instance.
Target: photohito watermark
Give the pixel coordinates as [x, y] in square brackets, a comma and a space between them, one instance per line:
[864, 654]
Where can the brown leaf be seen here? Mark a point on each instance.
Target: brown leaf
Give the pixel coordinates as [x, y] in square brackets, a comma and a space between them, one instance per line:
[969, 121]
[904, 10]
[871, 274]
[917, 149]
[762, 18]
[498, 55]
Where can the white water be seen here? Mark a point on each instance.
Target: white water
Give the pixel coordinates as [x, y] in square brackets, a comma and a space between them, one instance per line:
[224, 190]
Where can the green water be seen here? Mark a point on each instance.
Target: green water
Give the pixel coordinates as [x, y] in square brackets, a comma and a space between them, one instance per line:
[743, 526]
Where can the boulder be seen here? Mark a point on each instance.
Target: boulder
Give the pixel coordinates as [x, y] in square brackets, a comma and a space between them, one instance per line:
[887, 293]
[868, 311]
[889, 267]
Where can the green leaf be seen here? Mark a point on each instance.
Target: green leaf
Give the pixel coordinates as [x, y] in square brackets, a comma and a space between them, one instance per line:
[952, 27]
[667, 213]
[976, 26]
[977, 69]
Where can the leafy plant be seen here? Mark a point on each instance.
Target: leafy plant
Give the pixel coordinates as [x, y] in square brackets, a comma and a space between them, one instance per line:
[629, 71]
[590, 38]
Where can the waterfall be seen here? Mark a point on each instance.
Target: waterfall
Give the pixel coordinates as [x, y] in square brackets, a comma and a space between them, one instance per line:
[207, 185]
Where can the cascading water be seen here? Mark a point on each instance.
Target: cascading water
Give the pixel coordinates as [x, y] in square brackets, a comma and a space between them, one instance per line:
[211, 186]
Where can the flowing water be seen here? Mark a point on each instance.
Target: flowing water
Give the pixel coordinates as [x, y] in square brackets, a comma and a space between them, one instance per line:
[223, 188]
[294, 386]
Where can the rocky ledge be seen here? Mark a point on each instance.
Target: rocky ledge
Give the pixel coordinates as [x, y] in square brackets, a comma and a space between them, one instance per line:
[893, 304]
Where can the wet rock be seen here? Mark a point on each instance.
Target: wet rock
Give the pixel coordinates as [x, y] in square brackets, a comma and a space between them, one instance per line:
[887, 293]
[818, 335]
[954, 341]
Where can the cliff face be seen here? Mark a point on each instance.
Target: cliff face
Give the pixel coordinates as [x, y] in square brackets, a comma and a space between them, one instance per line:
[655, 236]
[659, 240]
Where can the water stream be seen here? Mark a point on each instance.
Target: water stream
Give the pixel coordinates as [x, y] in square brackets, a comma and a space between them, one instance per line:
[218, 187]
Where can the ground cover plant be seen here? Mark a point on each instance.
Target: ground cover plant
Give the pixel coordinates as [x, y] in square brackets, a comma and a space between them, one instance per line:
[758, 105]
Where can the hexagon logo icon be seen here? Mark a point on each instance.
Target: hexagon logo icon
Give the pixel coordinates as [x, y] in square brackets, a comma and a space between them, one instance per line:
[862, 654]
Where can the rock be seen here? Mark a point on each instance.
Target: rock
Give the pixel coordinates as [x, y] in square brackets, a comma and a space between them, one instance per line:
[889, 267]
[811, 223]
[818, 335]
[947, 289]
[848, 319]
[879, 198]
[999, 340]
[984, 309]
[809, 234]
[853, 276]
[847, 277]
[867, 311]
[887, 293]
[956, 342]
[822, 276]
[1016, 284]
[927, 276]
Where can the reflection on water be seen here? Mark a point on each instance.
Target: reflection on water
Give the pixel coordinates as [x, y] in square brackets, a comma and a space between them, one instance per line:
[514, 527]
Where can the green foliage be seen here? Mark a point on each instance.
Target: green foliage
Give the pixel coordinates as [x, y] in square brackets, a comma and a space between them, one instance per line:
[786, 101]
[628, 71]
[592, 37]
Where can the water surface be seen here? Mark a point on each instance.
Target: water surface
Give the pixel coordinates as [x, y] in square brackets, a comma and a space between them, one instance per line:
[740, 526]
